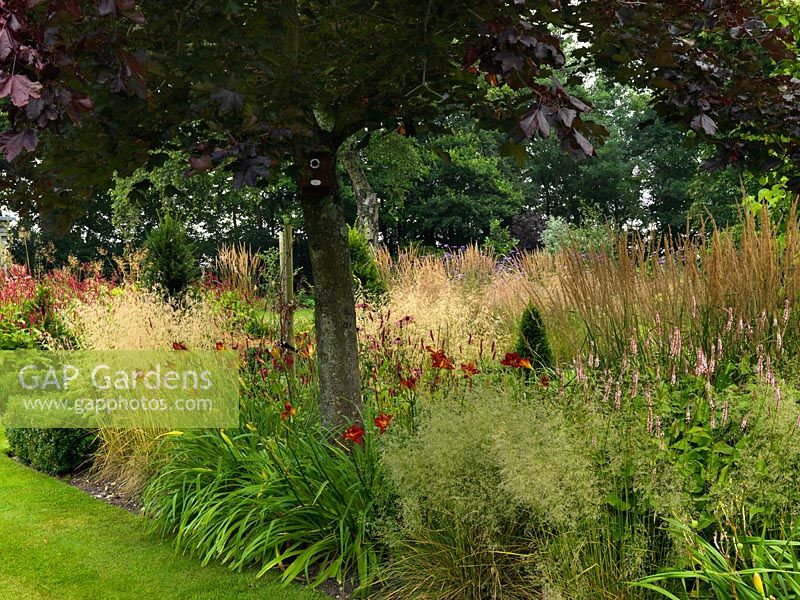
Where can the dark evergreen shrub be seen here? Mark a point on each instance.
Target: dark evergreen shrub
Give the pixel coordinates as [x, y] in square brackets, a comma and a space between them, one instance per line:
[533, 342]
[53, 451]
[172, 263]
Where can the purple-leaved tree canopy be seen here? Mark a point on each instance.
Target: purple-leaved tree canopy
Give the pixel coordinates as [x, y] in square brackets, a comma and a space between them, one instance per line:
[88, 87]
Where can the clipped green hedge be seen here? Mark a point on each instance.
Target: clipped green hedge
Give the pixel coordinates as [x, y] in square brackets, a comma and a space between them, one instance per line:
[53, 451]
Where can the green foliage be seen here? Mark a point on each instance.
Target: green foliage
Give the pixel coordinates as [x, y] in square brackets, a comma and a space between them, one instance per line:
[533, 342]
[171, 263]
[734, 568]
[276, 494]
[53, 451]
[365, 269]
[560, 235]
[499, 242]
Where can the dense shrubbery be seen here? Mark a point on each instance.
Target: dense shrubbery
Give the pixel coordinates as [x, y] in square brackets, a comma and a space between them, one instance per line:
[53, 451]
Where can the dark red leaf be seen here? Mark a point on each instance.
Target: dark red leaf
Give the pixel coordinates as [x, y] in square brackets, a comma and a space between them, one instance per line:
[529, 124]
[200, 164]
[107, 7]
[14, 142]
[705, 123]
[7, 43]
[567, 116]
[584, 144]
[543, 124]
[20, 89]
[579, 104]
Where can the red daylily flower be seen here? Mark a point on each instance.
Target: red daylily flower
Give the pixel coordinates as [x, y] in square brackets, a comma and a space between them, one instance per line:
[288, 411]
[354, 434]
[382, 422]
[469, 369]
[179, 346]
[440, 360]
[219, 346]
[410, 383]
[512, 359]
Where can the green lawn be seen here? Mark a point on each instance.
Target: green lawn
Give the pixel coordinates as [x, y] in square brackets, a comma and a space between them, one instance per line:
[58, 543]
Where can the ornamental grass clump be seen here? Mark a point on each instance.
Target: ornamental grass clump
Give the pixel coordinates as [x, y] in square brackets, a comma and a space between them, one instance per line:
[482, 484]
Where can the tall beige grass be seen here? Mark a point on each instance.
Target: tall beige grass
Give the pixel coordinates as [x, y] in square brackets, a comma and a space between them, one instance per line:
[705, 286]
[239, 268]
[133, 319]
[463, 298]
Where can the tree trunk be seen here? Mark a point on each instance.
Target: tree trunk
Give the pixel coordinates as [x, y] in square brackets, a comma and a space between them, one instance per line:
[367, 207]
[337, 344]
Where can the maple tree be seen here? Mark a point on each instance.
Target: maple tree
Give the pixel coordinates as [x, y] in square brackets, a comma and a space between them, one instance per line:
[266, 87]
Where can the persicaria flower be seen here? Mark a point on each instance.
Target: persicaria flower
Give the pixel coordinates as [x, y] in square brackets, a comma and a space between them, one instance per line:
[382, 422]
[354, 434]
[288, 411]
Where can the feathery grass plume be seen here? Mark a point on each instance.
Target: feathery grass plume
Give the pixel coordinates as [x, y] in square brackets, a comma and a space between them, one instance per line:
[134, 319]
[239, 269]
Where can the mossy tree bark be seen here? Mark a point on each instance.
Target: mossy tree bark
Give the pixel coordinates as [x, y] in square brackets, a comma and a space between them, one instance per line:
[337, 342]
[367, 206]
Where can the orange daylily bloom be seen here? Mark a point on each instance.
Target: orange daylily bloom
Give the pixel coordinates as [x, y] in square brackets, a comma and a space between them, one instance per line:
[512, 359]
[288, 411]
[469, 369]
[382, 422]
